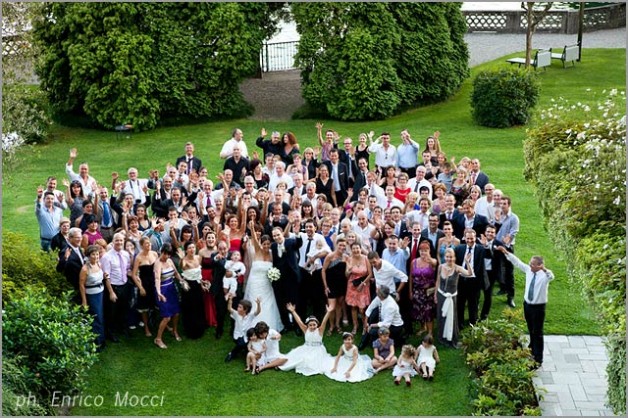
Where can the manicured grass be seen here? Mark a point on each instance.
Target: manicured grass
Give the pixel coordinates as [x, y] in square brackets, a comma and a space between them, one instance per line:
[192, 375]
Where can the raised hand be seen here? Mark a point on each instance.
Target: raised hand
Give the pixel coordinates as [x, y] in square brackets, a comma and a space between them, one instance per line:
[290, 307]
[319, 126]
[115, 175]
[73, 153]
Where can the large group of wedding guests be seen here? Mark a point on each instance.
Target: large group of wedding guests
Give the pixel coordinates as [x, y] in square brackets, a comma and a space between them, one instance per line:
[374, 241]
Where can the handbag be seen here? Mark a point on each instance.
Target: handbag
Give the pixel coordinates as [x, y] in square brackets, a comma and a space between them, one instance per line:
[357, 282]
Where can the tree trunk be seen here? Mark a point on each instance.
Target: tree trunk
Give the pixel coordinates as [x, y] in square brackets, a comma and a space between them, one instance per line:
[529, 31]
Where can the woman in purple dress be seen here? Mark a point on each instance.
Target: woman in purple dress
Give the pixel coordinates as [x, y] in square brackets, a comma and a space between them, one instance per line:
[422, 287]
[167, 296]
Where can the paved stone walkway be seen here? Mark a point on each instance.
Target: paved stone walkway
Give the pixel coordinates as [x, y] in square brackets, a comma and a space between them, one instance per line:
[574, 376]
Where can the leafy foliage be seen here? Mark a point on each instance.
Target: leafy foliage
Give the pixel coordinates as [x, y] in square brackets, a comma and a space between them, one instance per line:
[366, 60]
[503, 98]
[54, 340]
[500, 367]
[15, 391]
[576, 159]
[138, 63]
[26, 266]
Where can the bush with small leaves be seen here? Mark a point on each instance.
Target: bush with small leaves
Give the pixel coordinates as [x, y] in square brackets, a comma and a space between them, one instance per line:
[54, 340]
[504, 98]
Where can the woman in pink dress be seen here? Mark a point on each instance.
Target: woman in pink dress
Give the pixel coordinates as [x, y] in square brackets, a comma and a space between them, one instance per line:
[358, 296]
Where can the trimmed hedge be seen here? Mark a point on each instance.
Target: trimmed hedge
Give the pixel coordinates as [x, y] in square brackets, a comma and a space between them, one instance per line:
[504, 98]
[576, 159]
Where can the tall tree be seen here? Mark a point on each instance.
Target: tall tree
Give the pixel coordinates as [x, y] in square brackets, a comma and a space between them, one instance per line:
[368, 60]
[535, 12]
[139, 63]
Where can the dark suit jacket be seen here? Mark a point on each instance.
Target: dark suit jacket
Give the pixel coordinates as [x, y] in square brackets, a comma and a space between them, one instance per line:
[218, 274]
[343, 175]
[71, 268]
[343, 157]
[289, 261]
[359, 183]
[496, 256]
[300, 191]
[433, 248]
[481, 180]
[196, 162]
[479, 225]
[480, 279]
[442, 219]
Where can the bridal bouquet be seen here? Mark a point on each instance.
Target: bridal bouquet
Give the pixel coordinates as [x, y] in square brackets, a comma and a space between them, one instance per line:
[274, 274]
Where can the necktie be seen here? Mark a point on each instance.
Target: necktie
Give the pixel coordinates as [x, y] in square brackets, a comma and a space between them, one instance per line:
[122, 267]
[209, 201]
[416, 187]
[449, 216]
[189, 165]
[414, 248]
[469, 252]
[531, 289]
[106, 215]
[80, 256]
[473, 178]
[349, 164]
[309, 244]
[388, 206]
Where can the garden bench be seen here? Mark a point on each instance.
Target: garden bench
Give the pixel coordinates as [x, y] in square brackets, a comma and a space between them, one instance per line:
[124, 130]
[570, 53]
[542, 58]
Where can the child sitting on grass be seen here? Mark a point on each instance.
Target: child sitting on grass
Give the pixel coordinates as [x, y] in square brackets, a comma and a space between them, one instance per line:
[383, 351]
[427, 358]
[406, 365]
[256, 356]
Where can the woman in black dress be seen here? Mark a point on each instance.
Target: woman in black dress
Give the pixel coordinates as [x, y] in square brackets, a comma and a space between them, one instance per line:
[144, 267]
[335, 283]
[325, 185]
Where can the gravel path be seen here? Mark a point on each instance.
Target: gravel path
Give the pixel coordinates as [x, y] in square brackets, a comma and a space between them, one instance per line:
[278, 94]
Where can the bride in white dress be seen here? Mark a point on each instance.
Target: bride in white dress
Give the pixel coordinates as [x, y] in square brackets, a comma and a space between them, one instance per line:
[258, 285]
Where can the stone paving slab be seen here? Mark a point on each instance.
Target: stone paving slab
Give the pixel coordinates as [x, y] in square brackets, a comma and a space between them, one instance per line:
[573, 376]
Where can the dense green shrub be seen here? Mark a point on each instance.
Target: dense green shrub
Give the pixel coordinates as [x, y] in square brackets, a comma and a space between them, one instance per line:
[501, 372]
[15, 392]
[576, 159]
[53, 339]
[140, 62]
[25, 111]
[368, 60]
[24, 265]
[504, 98]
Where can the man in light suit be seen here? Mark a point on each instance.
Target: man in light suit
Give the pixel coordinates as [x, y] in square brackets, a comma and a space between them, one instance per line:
[469, 288]
[285, 253]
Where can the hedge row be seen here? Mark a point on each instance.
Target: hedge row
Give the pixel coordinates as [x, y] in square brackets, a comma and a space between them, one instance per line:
[576, 159]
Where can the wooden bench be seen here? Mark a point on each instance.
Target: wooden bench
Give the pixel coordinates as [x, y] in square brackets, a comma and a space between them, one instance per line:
[542, 58]
[570, 53]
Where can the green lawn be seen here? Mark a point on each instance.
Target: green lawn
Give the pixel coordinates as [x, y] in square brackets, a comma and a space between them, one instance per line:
[221, 389]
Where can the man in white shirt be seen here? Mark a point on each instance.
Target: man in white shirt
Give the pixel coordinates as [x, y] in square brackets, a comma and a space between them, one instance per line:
[485, 205]
[385, 154]
[87, 181]
[136, 187]
[116, 264]
[383, 312]
[280, 175]
[534, 298]
[385, 274]
[363, 228]
[237, 138]
[419, 181]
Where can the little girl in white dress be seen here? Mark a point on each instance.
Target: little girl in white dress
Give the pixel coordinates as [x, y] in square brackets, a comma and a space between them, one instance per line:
[349, 365]
[406, 365]
[427, 357]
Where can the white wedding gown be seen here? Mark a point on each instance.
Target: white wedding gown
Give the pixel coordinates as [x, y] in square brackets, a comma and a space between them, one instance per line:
[258, 286]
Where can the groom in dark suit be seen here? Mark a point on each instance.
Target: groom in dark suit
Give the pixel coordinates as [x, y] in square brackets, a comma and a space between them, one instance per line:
[469, 288]
[285, 253]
